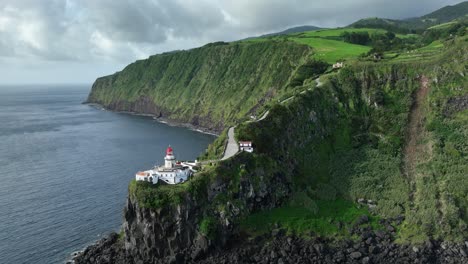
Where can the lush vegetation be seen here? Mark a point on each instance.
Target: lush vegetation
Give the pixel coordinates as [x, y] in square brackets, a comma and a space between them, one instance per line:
[208, 227]
[416, 25]
[332, 45]
[333, 218]
[211, 86]
[216, 149]
[332, 51]
[157, 196]
[361, 134]
[325, 147]
[440, 189]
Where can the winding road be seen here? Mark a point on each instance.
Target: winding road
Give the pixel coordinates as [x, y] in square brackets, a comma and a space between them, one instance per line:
[232, 147]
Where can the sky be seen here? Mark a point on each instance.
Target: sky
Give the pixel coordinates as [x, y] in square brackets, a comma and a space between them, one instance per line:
[76, 41]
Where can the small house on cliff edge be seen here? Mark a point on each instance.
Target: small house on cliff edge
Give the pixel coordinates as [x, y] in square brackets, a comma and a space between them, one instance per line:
[338, 65]
[246, 146]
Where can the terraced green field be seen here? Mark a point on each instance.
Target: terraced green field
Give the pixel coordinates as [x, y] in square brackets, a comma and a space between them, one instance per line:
[339, 31]
[426, 52]
[442, 26]
[328, 45]
[332, 51]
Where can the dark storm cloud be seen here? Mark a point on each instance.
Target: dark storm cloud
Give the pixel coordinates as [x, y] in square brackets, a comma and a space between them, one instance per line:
[123, 30]
[274, 14]
[124, 21]
[152, 21]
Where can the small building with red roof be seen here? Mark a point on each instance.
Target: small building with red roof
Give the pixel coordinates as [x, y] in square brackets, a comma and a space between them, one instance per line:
[173, 172]
[246, 146]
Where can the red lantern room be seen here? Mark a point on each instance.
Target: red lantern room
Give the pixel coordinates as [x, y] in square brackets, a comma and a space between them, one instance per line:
[169, 151]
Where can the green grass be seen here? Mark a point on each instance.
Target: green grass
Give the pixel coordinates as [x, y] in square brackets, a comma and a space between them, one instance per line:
[328, 45]
[443, 26]
[208, 227]
[339, 31]
[302, 221]
[340, 142]
[212, 86]
[425, 53]
[332, 51]
[157, 196]
[435, 45]
[216, 149]
[121, 235]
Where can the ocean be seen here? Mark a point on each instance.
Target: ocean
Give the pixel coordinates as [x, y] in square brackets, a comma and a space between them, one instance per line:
[65, 168]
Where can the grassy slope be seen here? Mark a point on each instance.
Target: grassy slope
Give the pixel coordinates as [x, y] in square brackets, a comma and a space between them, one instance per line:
[332, 51]
[441, 201]
[443, 15]
[327, 43]
[340, 149]
[209, 86]
[300, 221]
[428, 52]
[343, 141]
[370, 169]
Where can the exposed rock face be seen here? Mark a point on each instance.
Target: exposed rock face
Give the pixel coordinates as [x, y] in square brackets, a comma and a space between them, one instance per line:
[143, 104]
[154, 234]
[370, 247]
[456, 104]
[172, 232]
[106, 250]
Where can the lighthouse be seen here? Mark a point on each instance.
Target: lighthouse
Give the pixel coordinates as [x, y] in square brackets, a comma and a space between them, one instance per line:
[169, 158]
[171, 173]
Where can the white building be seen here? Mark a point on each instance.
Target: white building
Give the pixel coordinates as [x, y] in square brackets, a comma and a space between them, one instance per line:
[246, 146]
[338, 65]
[171, 173]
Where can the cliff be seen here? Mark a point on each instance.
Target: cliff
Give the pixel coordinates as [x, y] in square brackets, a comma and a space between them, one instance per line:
[211, 86]
[339, 159]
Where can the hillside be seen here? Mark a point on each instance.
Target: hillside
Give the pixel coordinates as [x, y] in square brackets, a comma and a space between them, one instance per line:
[443, 15]
[210, 87]
[365, 164]
[288, 31]
[336, 162]
[387, 139]
[447, 13]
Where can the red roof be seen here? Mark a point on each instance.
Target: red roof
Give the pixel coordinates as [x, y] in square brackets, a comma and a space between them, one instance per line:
[169, 151]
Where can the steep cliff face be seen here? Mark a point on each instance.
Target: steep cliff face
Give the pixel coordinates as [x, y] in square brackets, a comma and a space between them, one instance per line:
[156, 234]
[161, 223]
[210, 86]
[343, 140]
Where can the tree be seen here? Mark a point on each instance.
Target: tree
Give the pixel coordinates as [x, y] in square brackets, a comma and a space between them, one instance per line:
[360, 38]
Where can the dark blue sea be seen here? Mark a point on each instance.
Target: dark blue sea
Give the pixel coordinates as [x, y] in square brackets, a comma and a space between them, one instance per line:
[65, 168]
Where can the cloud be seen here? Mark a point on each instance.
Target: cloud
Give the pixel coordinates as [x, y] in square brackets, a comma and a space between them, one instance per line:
[266, 15]
[125, 30]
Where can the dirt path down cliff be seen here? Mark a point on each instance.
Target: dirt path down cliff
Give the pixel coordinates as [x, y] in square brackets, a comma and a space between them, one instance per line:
[414, 132]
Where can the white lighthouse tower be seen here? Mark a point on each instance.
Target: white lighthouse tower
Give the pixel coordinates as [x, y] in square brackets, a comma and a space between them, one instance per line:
[172, 172]
[169, 159]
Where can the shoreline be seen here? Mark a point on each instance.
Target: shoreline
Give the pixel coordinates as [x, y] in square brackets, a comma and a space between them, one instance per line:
[161, 120]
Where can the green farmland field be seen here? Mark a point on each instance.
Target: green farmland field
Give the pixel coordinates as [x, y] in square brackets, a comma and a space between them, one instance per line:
[332, 51]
